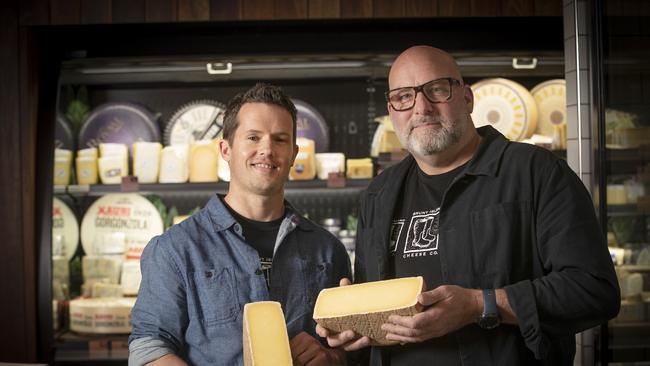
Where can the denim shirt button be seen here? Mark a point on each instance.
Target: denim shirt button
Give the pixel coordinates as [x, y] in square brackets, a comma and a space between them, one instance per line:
[238, 228]
[321, 267]
[258, 272]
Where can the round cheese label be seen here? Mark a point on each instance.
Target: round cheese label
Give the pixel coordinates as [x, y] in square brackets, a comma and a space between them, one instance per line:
[122, 123]
[507, 106]
[194, 121]
[120, 223]
[311, 124]
[550, 97]
[65, 230]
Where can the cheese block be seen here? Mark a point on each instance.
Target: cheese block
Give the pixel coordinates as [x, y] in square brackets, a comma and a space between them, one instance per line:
[89, 152]
[385, 139]
[507, 106]
[550, 97]
[204, 158]
[131, 277]
[329, 163]
[146, 161]
[359, 168]
[174, 164]
[106, 269]
[86, 170]
[100, 289]
[62, 165]
[265, 338]
[118, 222]
[101, 316]
[304, 167]
[65, 230]
[365, 307]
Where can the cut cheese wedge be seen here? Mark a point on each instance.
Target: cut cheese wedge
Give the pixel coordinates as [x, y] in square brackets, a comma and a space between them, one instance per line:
[365, 307]
[265, 335]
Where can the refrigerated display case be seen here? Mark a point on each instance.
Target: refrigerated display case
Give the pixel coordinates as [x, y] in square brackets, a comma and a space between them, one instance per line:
[337, 67]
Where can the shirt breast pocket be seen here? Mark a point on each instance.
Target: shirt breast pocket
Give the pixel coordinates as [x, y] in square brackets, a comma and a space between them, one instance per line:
[215, 295]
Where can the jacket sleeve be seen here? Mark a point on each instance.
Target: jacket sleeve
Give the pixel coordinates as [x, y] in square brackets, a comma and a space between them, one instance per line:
[160, 311]
[577, 288]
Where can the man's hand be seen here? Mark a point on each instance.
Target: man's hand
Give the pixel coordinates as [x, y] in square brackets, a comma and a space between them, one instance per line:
[347, 340]
[306, 350]
[449, 308]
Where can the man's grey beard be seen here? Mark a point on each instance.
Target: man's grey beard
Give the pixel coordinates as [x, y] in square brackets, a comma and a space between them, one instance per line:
[431, 141]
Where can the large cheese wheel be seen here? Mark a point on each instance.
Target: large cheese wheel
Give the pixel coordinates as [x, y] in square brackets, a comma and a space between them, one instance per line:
[311, 124]
[116, 217]
[65, 230]
[365, 307]
[101, 315]
[507, 106]
[550, 97]
[265, 338]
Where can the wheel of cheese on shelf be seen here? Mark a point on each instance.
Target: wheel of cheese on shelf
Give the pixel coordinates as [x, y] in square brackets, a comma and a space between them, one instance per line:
[311, 124]
[65, 230]
[120, 220]
[101, 315]
[122, 123]
[196, 120]
[507, 106]
[550, 97]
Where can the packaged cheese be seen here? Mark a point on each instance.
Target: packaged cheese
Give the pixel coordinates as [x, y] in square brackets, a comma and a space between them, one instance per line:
[204, 159]
[104, 268]
[86, 170]
[329, 163]
[173, 164]
[101, 316]
[62, 164]
[359, 168]
[304, 167]
[100, 289]
[131, 277]
[265, 338]
[365, 307]
[146, 161]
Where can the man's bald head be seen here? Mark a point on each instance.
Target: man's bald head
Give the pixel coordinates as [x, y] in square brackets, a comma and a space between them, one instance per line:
[422, 62]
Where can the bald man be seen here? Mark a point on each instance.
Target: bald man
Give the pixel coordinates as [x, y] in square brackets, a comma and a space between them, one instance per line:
[504, 234]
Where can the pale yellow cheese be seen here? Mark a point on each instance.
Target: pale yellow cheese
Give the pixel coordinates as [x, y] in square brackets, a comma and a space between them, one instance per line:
[265, 338]
[304, 167]
[106, 290]
[204, 159]
[146, 161]
[359, 168]
[365, 307]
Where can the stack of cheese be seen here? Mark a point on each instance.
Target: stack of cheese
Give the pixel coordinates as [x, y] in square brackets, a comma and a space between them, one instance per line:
[363, 308]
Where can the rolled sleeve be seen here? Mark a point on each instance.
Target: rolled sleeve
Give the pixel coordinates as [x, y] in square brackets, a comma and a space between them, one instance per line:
[145, 350]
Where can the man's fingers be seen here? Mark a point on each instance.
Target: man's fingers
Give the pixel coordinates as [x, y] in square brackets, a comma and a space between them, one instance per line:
[322, 331]
[429, 298]
[306, 355]
[401, 339]
[340, 339]
[344, 282]
[360, 343]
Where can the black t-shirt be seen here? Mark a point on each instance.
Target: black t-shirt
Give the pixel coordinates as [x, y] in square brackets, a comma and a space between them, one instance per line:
[414, 247]
[261, 235]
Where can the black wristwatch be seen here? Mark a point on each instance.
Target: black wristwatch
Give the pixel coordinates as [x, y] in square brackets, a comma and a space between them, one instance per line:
[490, 318]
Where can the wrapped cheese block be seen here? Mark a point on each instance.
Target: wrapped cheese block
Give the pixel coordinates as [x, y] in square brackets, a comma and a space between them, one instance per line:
[365, 307]
[359, 168]
[329, 163]
[146, 161]
[265, 338]
[174, 164]
[204, 159]
[131, 277]
[101, 316]
[304, 167]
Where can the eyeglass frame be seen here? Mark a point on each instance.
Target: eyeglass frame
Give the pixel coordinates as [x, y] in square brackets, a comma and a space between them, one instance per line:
[420, 89]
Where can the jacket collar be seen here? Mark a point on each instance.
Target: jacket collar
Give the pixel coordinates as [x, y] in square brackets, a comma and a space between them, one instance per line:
[223, 220]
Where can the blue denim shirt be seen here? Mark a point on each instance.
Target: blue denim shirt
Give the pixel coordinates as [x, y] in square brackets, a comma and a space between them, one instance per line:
[197, 276]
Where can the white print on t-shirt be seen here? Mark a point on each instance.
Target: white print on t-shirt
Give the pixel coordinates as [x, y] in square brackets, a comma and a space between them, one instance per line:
[423, 232]
[395, 231]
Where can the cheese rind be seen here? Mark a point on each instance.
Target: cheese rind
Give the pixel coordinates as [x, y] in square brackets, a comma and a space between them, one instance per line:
[265, 338]
[365, 307]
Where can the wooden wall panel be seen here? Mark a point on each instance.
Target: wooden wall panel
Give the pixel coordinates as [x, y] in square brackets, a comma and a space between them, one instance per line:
[161, 11]
[454, 8]
[421, 8]
[356, 9]
[34, 12]
[96, 12]
[257, 9]
[519, 8]
[128, 11]
[225, 10]
[290, 9]
[388, 8]
[14, 309]
[193, 10]
[65, 11]
[548, 7]
[486, 8]
[324, 9]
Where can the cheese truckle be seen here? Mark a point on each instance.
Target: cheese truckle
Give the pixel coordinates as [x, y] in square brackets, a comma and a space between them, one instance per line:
[265, 339]
[365, 307]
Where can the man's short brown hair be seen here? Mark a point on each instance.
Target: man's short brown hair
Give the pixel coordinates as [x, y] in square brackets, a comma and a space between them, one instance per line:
[260, 93]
